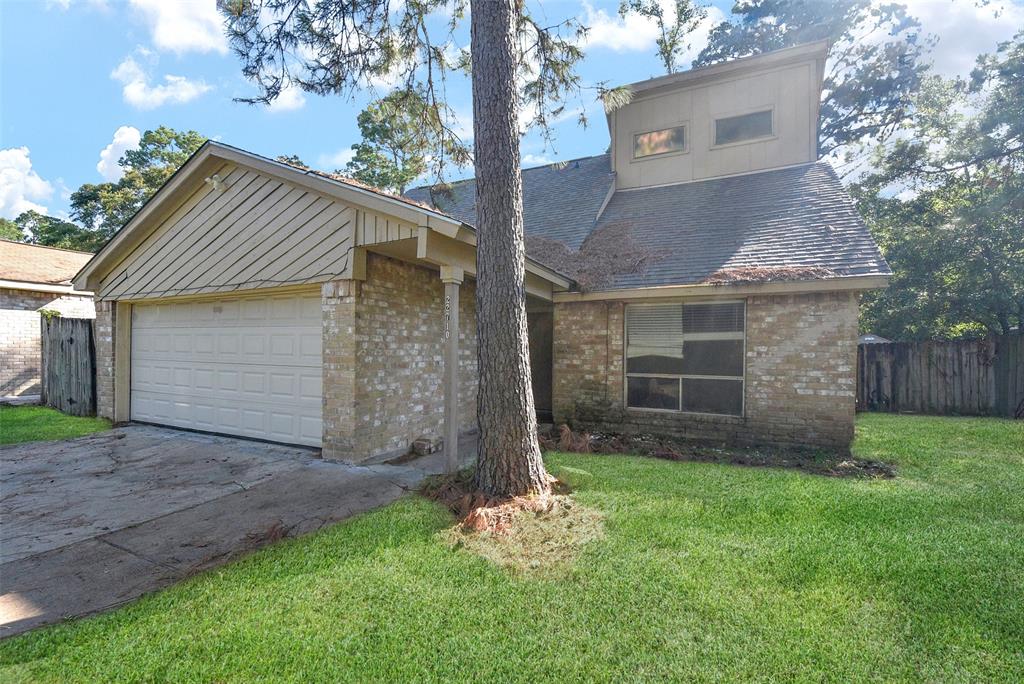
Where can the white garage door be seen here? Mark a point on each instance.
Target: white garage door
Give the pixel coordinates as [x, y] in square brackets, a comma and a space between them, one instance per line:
[248, 366]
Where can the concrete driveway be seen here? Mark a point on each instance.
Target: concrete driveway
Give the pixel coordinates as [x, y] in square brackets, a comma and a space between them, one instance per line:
[90, 523]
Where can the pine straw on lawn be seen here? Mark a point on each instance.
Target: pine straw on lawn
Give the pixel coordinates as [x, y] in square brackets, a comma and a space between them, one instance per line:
[817, 461]
[530, 534]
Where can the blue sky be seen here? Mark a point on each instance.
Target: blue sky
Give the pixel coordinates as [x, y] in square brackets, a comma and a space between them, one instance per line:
[80, 79]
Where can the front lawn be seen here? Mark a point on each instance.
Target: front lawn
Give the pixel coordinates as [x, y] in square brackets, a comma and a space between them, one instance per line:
[704, 571]
[41, 423]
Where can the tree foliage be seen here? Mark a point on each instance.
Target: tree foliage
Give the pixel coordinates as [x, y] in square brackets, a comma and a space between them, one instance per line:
[9, 230]
[40, 229]
[339, 47]
[946, 203]
[673, 29]
[397, 131]
[874, 64]
[105, 207]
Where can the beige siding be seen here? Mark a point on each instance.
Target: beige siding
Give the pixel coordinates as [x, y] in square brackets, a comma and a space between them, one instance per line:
[790, 92]
[259, 231]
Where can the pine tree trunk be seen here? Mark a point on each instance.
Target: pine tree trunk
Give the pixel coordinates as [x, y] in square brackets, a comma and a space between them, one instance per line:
[508, 461]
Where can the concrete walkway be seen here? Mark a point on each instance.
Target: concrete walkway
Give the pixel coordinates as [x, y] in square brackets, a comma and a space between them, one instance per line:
[90, 523]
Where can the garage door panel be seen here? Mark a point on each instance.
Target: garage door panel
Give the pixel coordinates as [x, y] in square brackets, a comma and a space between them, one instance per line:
[244, 366]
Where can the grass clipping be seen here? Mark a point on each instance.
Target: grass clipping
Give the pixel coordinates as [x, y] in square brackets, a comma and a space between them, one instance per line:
[536, 535]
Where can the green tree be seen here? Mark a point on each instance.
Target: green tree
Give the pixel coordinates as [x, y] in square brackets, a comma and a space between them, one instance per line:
[105, 207]
[9, 230]
[874, 62]
[51, 231]
[291, 160]
[339, 46]
[673, 30]
[946, 203]
[397, 131]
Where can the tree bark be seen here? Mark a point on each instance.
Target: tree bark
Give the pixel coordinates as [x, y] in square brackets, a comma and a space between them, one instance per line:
[508, 460]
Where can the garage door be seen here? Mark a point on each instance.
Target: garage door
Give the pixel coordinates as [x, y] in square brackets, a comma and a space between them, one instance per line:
[248, 366]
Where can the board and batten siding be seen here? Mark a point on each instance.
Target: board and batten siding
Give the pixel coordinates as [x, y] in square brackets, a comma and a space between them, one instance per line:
[258, 231]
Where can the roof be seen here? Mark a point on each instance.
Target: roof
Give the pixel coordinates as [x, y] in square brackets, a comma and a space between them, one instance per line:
[560, 201]
[415, 214]
[797, 223]
[23, 262]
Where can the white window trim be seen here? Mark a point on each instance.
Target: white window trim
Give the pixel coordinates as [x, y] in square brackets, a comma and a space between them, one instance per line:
[743, 112]
[685, 125]
[626, 375]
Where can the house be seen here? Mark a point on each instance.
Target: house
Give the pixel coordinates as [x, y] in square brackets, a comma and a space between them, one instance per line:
[253, 298]
[33, 278]
[869, 338]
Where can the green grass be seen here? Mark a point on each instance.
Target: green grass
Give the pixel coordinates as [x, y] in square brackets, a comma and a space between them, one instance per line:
[39, 423]
[705, 571]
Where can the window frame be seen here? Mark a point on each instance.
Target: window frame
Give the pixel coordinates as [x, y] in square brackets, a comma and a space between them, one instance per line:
[742, 379]
[743, 112]
[685, 125]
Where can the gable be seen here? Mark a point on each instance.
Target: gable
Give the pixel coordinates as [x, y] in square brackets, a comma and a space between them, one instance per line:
[256, 231]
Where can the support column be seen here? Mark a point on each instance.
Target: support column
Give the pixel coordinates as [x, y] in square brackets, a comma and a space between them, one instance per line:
[452, 278]
[338, 299]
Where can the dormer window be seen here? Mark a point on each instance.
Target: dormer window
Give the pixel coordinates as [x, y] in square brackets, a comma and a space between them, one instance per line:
[736, 129]
[664, 141]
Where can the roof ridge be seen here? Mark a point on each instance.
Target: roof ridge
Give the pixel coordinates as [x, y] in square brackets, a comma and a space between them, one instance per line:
[472, 179]
[59, 249]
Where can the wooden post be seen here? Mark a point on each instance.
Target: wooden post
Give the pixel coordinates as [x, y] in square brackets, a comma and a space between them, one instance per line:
[452, 278]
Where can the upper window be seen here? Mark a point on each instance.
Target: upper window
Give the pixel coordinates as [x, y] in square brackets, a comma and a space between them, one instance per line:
[733, 129]
[685, 357]
[659, 142]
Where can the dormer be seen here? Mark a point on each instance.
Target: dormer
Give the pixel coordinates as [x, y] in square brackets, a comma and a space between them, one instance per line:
[749, 114]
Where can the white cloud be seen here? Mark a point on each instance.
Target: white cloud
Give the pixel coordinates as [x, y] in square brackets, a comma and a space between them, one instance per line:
[635, 33]
[184, 25]
[140, 94]
[336, 160]
[290, 99]
[125, 138]
[965, 30]
[536, 160]
[65, 5]
[21, 188]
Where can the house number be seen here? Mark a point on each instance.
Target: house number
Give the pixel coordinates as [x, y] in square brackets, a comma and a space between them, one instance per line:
[447, 315]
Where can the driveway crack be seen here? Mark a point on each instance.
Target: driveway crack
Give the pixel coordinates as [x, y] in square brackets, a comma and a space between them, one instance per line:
[138, 555]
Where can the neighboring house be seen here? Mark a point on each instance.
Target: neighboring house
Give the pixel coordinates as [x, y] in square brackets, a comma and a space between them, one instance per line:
[33, 279]
[253, 298]
[868, 338]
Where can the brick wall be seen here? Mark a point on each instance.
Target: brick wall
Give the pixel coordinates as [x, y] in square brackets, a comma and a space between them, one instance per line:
[800, 373]
[384, 364]
[104, 340]
[19, 335]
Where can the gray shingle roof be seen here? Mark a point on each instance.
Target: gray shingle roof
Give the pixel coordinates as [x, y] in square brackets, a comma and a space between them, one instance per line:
[794, 217]
[560, 202]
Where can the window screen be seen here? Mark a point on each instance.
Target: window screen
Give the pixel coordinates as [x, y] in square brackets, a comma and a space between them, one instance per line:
[685, 357]
[744, 127]
[659, 142]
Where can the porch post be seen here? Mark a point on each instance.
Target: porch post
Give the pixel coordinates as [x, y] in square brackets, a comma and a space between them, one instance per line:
[452, 278]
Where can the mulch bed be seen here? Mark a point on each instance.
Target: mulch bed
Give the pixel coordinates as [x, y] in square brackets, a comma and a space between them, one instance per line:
[810, 460]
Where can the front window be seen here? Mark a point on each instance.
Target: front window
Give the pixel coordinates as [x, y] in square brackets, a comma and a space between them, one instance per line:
[659, 142]
[685, 357]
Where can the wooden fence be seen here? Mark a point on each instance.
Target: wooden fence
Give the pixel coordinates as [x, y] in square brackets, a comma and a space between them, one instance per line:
[962, 377]
[69, 365]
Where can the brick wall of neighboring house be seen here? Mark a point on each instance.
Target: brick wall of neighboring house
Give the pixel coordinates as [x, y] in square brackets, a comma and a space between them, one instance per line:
[19, 335]
[801, 357]
[384, 364]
